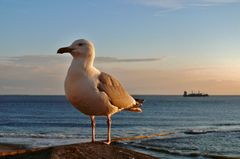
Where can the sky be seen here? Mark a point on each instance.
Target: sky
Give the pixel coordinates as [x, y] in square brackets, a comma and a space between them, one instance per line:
[152, 46]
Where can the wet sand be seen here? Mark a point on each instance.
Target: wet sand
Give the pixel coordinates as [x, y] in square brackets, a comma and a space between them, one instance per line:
[73, 151]
[4, 147]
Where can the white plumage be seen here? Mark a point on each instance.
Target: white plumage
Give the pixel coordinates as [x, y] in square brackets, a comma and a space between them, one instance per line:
[91, 91]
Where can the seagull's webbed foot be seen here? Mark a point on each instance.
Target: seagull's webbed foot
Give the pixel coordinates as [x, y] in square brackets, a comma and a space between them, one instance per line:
[109, 122]
[107, 142]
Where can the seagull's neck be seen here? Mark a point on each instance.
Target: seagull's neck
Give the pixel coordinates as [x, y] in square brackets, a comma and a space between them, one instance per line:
[82, 64]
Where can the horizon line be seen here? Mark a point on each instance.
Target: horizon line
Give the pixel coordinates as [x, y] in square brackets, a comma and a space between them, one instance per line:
[130, 94]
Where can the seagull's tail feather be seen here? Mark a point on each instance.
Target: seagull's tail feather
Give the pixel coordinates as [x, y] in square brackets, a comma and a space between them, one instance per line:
[139, 101]
[137, 106]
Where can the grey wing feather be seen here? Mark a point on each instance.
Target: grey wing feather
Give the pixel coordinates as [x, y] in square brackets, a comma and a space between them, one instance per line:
[118, 96]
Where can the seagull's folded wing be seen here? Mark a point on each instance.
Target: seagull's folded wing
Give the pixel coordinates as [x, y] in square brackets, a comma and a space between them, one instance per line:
[118, 96]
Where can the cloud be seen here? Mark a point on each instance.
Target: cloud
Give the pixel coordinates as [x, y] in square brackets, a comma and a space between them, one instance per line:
[175, 81]
[37, 74]
[179, 4]
[161, 3]
[46, 74]
[112, 59]
[31, 75]
[51, 59]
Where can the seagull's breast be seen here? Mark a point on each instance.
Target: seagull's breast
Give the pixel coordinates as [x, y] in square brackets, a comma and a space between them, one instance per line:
[79, 87]
[81, 90]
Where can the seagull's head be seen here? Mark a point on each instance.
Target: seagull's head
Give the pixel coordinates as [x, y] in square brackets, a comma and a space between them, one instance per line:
[79, 49]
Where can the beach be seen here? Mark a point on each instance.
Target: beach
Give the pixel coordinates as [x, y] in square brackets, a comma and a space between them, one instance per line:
[73, 151]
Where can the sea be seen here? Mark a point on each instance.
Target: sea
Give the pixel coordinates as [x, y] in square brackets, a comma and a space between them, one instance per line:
[194, 127]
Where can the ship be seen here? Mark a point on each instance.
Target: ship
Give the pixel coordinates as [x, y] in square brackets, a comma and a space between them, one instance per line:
[198, 94]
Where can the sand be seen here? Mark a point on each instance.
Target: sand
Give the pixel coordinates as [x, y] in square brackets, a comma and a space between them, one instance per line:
[73, 151]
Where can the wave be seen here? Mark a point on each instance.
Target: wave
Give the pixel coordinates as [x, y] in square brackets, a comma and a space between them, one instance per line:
[199, 131]
[43, 124]
[209, 130]
[199, 146]
[227, 124]
[168, 151]
[182, 153]
[39, 135]
[69, 124]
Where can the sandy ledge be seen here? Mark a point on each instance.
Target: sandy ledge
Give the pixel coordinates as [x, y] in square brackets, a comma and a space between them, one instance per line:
[73, 151]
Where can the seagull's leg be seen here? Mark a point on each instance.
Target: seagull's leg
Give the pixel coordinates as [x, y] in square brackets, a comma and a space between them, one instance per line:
[93, 123]
[109, 121]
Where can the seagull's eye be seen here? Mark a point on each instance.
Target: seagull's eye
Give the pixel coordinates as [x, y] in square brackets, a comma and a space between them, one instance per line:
[81, 44]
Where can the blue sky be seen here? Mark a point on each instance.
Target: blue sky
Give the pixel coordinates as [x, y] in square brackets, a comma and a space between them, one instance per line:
[194, 41]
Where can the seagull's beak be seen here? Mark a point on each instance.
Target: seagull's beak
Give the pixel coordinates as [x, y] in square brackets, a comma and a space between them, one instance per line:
[64, 50]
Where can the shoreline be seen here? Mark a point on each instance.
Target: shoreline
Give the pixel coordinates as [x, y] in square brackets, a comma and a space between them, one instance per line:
[73, 151]
[7, 147]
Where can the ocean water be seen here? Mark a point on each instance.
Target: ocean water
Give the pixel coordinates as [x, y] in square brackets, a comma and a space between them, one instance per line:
[199, 127]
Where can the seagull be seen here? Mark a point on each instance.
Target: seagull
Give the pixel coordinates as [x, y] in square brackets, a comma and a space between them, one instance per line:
[92, 92]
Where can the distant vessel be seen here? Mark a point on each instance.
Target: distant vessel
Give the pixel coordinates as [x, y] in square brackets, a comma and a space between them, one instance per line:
[199, 94]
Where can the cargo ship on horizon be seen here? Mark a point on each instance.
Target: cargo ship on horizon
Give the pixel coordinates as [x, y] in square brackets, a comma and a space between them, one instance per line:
[198, 94]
